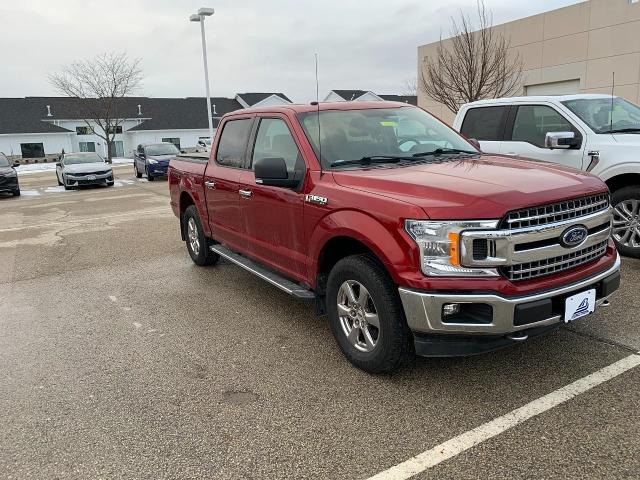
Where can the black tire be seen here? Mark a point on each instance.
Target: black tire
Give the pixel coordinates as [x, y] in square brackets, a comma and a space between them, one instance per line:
[16, 193]
[64, 182]
[204, 256]
[617, 197]
[149, 176]
[394, 342]
[59, 182]
[135, 169]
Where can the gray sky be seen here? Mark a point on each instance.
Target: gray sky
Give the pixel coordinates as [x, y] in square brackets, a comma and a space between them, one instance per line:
[254, 45]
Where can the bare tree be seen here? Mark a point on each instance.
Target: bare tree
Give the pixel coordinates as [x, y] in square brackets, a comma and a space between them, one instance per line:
[410, 87]
[100, 84]
[476, 64]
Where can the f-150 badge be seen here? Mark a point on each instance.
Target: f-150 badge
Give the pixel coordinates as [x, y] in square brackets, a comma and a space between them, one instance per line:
[316, 199]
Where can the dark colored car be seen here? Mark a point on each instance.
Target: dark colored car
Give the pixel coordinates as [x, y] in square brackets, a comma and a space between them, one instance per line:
[152, 159]
[8, 177]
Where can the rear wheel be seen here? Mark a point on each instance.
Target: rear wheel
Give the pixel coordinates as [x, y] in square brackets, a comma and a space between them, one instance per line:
[626, 220]
[197, 243]
[366, 315]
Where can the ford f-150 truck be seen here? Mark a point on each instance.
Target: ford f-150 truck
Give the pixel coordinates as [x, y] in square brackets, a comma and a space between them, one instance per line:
[410, 239]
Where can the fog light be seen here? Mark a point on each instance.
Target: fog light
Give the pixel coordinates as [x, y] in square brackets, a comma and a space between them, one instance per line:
[449, 309]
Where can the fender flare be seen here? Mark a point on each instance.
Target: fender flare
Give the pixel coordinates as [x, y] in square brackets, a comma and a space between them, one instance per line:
[365, 229]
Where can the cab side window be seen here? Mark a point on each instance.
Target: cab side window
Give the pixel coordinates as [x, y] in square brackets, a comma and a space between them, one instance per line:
[233, 142]
[533, 122]
[275, 140]
[485, 123]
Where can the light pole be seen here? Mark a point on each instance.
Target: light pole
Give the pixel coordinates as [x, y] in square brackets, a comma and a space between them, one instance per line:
[199, 17]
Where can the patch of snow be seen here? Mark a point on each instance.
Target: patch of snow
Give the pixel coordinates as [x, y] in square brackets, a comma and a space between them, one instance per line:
[122, 160]
[55, 190]
[31, 193]
[35, 168]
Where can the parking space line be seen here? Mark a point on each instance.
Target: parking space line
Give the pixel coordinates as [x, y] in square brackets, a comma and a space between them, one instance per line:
[467, 440]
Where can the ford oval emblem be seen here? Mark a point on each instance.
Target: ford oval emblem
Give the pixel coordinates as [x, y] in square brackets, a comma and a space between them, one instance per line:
[574, 236]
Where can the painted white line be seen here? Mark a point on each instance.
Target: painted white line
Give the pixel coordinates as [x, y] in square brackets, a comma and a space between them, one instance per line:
[141, 213]
[467, 440]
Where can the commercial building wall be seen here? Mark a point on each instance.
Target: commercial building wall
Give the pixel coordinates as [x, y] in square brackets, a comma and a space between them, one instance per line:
[574, 49]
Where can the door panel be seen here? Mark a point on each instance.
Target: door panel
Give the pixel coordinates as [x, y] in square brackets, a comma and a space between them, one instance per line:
[526, 139]
[273, 216]
[221, 185]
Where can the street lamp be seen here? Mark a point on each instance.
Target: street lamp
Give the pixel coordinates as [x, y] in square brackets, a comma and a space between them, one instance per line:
[199, 17]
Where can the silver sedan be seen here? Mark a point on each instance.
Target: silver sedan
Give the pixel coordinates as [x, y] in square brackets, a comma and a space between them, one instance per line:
[84, 168]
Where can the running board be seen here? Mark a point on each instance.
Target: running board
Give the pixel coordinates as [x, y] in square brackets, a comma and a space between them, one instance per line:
[273, 278]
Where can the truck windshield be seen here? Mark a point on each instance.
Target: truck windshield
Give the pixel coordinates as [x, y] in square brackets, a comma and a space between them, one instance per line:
[597, 113]
[378, 134]
[89, 157]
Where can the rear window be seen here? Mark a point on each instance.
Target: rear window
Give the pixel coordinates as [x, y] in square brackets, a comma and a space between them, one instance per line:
[233, 142]
[484, 123]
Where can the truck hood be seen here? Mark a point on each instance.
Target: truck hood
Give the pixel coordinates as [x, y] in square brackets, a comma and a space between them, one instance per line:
[478, 188]
[87, 167]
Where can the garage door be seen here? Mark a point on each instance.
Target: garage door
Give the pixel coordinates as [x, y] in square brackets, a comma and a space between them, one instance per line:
[554, 88]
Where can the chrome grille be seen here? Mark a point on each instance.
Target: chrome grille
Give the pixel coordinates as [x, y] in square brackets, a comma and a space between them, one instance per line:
[525, 271]
[556, 212]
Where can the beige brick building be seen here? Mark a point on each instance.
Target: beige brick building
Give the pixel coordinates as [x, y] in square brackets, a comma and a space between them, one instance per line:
[570, 50]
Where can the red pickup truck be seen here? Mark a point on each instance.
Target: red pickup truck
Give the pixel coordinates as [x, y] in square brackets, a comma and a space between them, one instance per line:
[409, 238]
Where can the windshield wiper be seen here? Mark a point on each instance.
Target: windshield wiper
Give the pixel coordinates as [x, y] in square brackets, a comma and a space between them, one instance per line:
[623, 130]
[440, 151]
[370, 160]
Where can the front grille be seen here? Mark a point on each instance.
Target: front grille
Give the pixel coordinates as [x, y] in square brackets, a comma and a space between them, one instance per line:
[556, 212]
[525, 271]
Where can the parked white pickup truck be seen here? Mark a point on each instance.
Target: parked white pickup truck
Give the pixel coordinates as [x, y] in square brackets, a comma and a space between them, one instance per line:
[596, 133]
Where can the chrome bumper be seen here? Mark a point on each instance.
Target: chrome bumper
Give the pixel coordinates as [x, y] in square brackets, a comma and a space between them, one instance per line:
[423, 310]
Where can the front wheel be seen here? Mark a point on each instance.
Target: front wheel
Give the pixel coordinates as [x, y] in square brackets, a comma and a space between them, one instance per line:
[197, 243]
[366, 315]
[626, 220]
[16, 193]
[149, 176]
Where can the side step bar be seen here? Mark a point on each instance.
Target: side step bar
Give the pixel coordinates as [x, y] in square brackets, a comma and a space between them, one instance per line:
[273, 278]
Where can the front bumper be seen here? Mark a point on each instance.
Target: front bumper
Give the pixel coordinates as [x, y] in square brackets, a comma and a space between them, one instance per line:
[497, 315]
[9, 184]
[79, 180]
[158, 169]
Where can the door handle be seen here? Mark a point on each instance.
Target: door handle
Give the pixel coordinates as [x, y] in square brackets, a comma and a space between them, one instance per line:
[245, 193]
[210, 184]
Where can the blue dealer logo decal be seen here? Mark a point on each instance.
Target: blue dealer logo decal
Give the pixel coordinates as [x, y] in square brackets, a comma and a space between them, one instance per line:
[574, 236]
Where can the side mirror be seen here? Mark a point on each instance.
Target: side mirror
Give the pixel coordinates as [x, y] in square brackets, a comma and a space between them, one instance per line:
[183, 151]
[272, 171]
[475, 143]
[16, 164]
[58, 164]
[560, 140]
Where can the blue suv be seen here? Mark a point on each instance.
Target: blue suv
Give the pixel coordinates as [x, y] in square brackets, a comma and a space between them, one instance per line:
[152, 159]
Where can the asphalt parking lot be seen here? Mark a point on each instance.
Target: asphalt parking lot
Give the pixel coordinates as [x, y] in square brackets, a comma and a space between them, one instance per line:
[121, 359]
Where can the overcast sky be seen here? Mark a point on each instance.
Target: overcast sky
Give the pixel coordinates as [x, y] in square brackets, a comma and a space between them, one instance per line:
[254, 45]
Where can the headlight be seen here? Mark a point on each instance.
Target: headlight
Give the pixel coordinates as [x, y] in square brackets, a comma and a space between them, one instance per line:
[439, 244]
[152, 161]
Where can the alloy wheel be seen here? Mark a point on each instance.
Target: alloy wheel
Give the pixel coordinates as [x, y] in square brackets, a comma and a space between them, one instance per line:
[358, 316]
[626, 223]
[192, 235]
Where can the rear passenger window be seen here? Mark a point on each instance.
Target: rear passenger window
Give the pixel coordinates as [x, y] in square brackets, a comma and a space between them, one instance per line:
[484, 123]
[532, 123]
[233, 142]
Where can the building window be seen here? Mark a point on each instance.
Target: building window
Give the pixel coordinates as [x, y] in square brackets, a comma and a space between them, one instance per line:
[118, 130]
[32, 150]
[84, 130]
[174, 140]
[87, 146]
